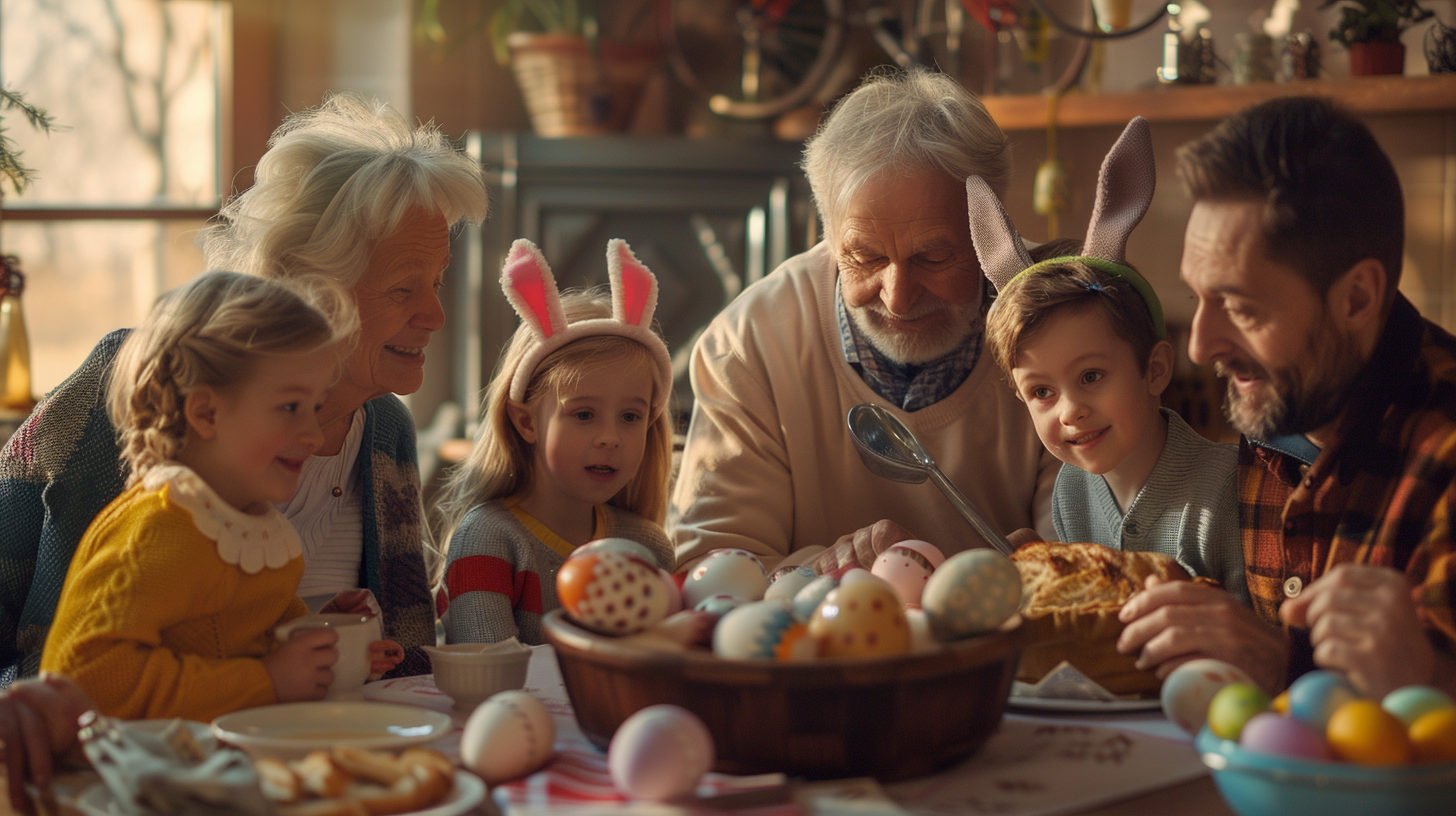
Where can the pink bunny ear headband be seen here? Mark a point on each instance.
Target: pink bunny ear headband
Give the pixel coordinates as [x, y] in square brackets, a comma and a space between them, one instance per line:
[531, 288]
[1124, 192]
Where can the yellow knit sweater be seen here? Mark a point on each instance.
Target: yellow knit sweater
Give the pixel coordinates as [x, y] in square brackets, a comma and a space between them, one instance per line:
[154, 622]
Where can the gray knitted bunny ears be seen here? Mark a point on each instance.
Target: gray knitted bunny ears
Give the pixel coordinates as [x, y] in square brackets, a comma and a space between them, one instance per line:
[1124, 192]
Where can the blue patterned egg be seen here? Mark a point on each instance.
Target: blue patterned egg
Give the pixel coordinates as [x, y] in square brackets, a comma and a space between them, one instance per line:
[973, 592]
[788, 583]
[762, 630]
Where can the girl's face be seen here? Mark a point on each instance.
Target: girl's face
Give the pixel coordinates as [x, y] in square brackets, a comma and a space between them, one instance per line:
[589, 439]
[249, 441]
[1091, 405]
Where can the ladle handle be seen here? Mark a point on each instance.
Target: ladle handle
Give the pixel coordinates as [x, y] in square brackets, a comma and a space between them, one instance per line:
[958, 499]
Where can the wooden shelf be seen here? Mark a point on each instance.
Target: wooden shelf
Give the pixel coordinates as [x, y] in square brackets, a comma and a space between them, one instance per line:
[1199, 103]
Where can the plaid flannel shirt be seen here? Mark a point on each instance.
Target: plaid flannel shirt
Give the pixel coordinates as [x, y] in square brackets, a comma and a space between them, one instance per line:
[1381, 493]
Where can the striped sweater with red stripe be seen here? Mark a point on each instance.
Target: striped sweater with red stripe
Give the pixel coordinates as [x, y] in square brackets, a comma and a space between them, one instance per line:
[500, 572]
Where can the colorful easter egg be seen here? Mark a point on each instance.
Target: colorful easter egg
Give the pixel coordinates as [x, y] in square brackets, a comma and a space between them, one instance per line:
[861, 620]
[659, 753]
[619, 545]
[1233, 706]
[973, 592]
[725, 572]
[507, 736]
[612, 593]
[788, 584]
[907, 566]
[719, 605]
[808, 599]
[1315, 695]
[1433, 736]
[762, 630]
[1190, 688]
[1410, 703]
[1269, 733]
[1362, 732]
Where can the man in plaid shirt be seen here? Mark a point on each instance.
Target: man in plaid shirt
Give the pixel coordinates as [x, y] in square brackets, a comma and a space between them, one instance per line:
[1347, 401]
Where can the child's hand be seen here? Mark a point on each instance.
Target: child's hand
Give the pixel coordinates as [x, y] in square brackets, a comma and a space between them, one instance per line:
[302, 668]
[352, 601]
[37, 723]
[383, 656]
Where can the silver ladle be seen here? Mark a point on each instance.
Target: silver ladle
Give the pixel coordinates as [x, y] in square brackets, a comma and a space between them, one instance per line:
[888, 449]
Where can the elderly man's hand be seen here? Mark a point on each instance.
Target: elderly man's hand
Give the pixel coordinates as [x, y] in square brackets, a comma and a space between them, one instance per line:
[1362, 622]
[37, 724]
[861, 547]
[1174, 622]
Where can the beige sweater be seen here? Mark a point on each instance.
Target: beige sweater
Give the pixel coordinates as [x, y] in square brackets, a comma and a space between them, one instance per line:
[769, 465]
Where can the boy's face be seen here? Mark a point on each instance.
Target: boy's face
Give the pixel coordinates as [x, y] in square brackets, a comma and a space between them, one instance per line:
[1091, 405]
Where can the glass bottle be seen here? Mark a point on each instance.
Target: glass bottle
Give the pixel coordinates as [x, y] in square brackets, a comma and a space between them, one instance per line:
[15, 393]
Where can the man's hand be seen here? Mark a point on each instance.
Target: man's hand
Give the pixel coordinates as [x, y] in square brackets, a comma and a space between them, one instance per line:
[37, 723]
[1362, 622]
[861, 547]
[1174, 622]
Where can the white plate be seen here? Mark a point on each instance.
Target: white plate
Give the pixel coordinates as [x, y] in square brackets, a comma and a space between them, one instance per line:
[291, 730]
[467, 793]
[1083, 706]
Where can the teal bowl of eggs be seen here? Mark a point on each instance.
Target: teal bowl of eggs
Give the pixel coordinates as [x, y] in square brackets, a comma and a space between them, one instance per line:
[1264, 784]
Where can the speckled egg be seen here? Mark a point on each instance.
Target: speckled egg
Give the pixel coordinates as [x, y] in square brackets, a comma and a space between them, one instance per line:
[808, 599]
[907, 567]
[660, 752]
[612, 593]
[725, 572]
[862, 619]
[1189, 689]
[620, 545]
[762, 630]
[1410, 703]
[973, 592]
[1314, 696]
[788, 584]
[1269, 733]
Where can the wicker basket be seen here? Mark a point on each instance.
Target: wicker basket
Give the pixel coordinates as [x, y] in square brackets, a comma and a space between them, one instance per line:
[570, 91]
[891, 718]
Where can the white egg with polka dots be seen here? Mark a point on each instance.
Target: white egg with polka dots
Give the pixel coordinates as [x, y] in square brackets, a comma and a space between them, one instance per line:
[972, 593]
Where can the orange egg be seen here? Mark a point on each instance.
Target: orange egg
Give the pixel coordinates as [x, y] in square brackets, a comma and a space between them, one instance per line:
[863, 619]
[1434, 736]
[1362, 732]
[1281, 703]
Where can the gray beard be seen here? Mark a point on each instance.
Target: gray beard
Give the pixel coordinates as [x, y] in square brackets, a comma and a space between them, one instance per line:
[1296, 399]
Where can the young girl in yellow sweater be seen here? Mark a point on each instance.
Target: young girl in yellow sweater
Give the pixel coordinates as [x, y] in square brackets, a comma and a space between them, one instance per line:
[170, 603]
[575, 444]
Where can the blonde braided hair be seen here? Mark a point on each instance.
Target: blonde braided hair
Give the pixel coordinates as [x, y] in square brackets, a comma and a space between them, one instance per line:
[209, 332]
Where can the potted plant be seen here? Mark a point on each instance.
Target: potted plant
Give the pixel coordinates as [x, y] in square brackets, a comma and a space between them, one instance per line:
[573, 60]
[1371, 30]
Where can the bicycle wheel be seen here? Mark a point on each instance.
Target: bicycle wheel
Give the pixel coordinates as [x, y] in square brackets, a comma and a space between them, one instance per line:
[752, 59]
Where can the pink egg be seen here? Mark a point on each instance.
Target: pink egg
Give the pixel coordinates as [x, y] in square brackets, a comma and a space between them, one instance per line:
[1271, 733]
[660, 752]
[725, 572]
[907, 567]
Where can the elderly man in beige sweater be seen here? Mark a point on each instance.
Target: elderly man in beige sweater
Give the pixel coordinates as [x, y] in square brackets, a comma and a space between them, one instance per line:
[887, 309]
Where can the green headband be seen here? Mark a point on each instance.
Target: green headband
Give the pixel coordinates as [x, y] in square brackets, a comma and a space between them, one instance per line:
[1127, 273]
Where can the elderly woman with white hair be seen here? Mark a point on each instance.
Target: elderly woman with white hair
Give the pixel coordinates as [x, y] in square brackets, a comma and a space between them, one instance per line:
[350, 193]
[887, 309]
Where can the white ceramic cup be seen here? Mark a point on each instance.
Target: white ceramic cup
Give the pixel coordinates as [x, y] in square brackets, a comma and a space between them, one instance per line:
[356, 632]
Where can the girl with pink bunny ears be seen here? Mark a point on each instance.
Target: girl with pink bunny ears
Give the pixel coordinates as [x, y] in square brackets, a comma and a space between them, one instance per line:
[575, 444]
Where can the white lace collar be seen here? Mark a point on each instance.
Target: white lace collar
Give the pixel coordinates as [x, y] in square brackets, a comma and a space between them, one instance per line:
[250, 542]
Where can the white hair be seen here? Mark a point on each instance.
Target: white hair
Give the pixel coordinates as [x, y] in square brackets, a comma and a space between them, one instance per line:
[334, 181]
[907, 121]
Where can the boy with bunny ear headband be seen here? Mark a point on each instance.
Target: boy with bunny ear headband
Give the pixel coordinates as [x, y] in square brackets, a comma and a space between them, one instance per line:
[575, 444]
[1081, 339]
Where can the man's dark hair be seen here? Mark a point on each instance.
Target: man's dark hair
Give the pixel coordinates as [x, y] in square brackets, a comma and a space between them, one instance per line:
[1330, 194]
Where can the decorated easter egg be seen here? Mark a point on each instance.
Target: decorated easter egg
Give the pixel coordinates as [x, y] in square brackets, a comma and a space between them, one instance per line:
[762, 630]
[1410, 703]
[1190, 688]
[660, 752]
[1269, 733]
[808, 599]
[907, 566]
[1315, 695]
[862, 619]
[507, 736]
[1362, 732]
[618, 545]
[612, 593]
[788, 584]
[719, 605]
[971, 593]
[1433, 736]
[725, 572]
[853, 575]
[1233, 706]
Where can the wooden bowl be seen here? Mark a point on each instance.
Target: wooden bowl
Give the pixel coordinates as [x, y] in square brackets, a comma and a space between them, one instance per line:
[890, 718]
